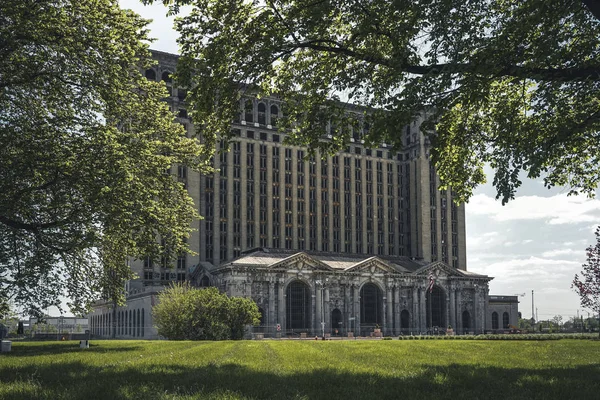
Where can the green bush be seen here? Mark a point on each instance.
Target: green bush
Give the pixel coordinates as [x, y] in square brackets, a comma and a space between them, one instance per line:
[187, 313]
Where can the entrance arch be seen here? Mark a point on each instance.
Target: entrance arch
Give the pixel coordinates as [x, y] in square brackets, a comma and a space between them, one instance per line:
[336, 321]
[466, 321]
[371, 305]
[297, 306]
[404, 320]
[436, 308]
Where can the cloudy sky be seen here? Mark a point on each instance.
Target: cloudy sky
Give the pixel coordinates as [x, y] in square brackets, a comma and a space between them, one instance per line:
[536, 242]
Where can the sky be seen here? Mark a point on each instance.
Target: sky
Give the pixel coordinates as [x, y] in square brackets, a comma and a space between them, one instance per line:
[535, 242]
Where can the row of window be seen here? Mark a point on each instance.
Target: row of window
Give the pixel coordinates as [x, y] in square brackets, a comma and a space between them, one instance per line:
[126, 323]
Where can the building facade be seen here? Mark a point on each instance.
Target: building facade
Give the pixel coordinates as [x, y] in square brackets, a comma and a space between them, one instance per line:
[361, 204]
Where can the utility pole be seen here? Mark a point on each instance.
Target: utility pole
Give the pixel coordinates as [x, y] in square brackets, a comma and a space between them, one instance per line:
[532, 314]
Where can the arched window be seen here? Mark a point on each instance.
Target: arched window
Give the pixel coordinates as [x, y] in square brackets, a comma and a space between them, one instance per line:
[204, 282]
[151, 74]
[494, 320]
[274, 115]
[297, 308]
[336, 322]
[166, 77]
[404, 319]
[436, 311]
[262, 113]
[466, 321]
[143, 322]
[371, 304]
[505, 320]
[248, 111]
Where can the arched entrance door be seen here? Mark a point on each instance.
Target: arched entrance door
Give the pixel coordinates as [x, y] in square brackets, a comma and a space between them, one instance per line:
[371, 307]
[494, 320]
[297, 308]
[436, 308]
[404, 320]
[336, 322]
[466, 321]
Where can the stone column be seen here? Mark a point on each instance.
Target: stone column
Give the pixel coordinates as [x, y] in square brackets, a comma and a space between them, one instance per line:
[347, 309]
[415, 310]
[423, 310]
[389, 319]
[447, 307]
[327, 312]
[397, 310]
[271, 311]
[319, 311]
[476, 323]
[459, 310]
[281, 306]
[356, 313]
[452, 320]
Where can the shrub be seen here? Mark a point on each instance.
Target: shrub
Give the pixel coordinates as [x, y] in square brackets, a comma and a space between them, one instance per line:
[187, 313]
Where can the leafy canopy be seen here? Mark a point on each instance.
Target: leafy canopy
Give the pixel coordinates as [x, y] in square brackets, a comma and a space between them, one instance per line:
[85, 141]
[187, 313]
[511, 83]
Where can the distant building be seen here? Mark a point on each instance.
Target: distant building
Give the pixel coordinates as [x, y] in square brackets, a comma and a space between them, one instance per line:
[58, 324]
[350, 240]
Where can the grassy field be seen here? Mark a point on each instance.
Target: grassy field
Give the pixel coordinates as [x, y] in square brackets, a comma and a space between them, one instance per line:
[565, 369]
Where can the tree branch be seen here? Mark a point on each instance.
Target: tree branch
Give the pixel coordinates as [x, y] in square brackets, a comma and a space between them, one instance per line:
[533, 73]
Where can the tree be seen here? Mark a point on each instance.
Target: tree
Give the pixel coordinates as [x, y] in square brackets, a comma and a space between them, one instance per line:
[187, 313]
[241, 312]
[587, 286]
[510, 83]
[557, 321]
[85, 141]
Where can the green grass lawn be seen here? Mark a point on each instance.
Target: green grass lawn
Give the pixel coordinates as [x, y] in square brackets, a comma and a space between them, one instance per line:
[562, 369]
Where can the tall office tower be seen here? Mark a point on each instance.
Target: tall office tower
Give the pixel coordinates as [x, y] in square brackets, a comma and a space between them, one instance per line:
[268, 195]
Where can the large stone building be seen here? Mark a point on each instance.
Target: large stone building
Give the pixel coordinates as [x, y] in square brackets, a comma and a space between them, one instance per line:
[343, 243]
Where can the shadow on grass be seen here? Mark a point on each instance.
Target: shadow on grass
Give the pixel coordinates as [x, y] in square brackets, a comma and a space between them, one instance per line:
[34, 349]
[76, 380]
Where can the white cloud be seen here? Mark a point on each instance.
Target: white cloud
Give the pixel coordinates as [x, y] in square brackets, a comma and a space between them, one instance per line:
[555, 210]
[563, 252]
[542, 271]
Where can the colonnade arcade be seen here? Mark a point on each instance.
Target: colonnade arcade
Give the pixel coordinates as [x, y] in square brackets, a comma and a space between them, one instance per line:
[304, 295]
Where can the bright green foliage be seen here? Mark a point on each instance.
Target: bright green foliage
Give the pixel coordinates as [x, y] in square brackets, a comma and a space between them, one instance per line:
[85, 141]
[511, 83]
[187, 313]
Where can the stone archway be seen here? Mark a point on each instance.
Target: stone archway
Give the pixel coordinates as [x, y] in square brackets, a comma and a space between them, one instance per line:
[466, 321]
[436, 308]
[404, 321]
[336, 322]
[297, 306]
[371, 308]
